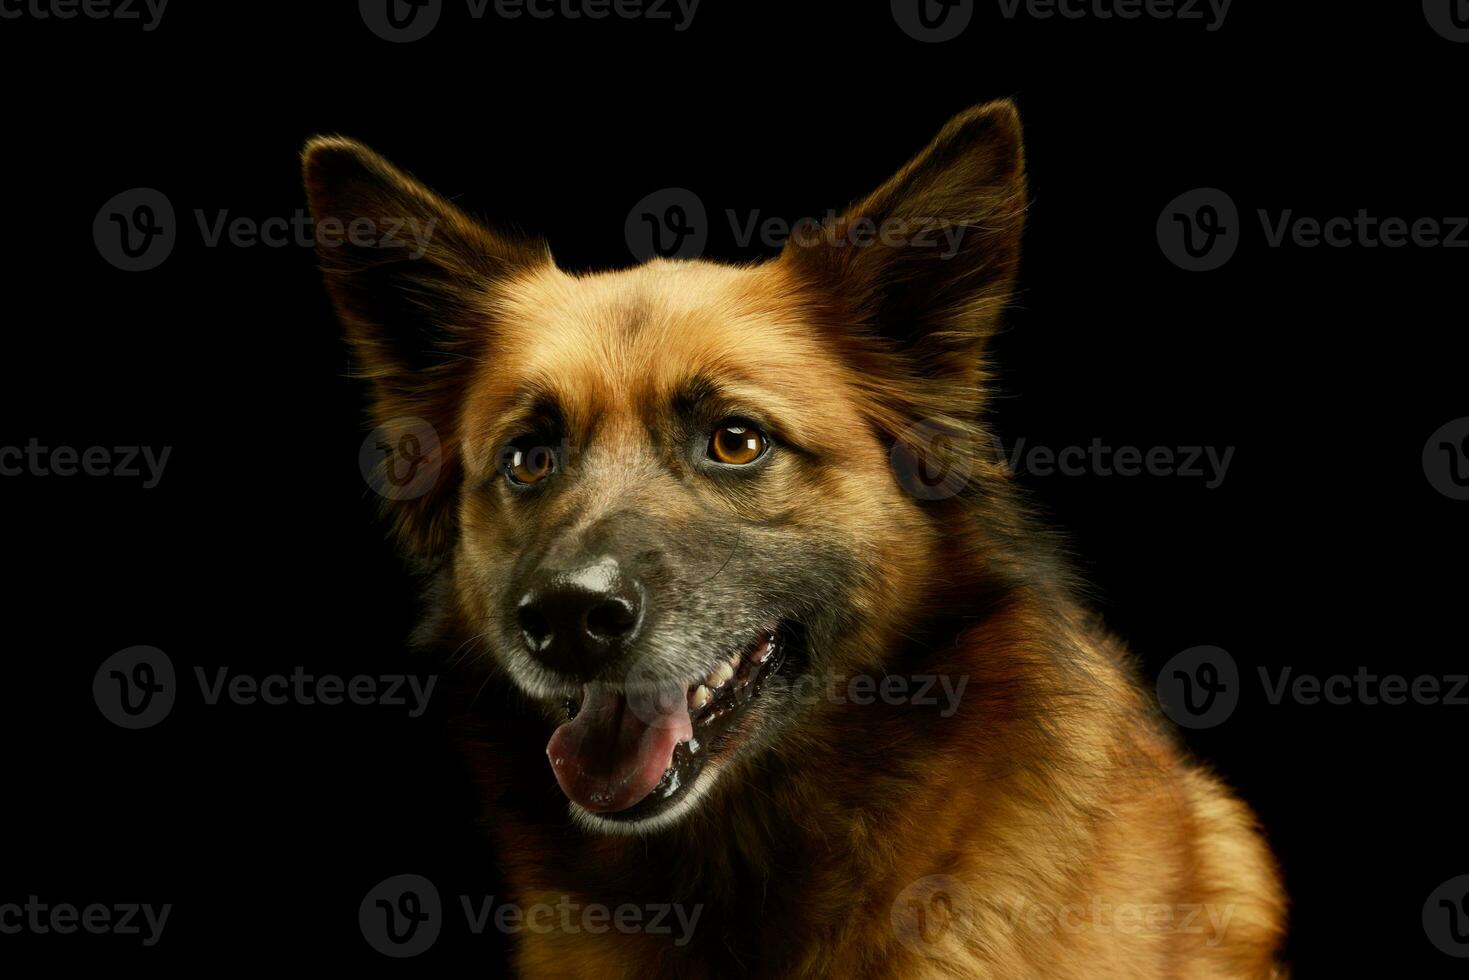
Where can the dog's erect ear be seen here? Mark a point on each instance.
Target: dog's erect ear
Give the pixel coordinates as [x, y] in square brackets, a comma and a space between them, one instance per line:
[414, 281]
[928, 260]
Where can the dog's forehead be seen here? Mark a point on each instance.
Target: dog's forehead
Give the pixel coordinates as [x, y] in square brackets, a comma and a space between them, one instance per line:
[617, 340]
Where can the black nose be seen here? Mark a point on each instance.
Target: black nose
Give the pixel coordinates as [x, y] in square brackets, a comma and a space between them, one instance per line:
[575, 620]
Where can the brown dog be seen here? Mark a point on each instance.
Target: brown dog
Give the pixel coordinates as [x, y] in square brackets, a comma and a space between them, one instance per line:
[773, 642]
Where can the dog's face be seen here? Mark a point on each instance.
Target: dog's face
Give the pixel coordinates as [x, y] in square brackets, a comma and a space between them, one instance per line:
[662, 495]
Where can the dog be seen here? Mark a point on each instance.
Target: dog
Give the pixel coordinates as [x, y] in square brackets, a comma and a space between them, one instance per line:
[705, 530]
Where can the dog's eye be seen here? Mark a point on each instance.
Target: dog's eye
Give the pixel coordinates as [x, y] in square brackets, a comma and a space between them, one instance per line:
[736, 445]
[526, 464]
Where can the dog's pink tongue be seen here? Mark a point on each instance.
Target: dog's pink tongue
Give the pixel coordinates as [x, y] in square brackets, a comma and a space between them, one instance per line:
[612, 754]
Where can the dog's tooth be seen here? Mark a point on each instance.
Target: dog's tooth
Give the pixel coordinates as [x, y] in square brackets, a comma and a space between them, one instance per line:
[719, 675]
[700, 697]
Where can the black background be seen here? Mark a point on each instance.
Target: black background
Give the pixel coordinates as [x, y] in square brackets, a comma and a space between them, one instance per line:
[1325, 548]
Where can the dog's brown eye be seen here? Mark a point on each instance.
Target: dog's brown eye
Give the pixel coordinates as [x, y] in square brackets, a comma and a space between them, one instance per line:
[736, 445]
[529, 464]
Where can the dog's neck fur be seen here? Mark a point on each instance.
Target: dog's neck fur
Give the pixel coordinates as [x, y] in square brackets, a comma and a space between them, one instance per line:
[822, 835]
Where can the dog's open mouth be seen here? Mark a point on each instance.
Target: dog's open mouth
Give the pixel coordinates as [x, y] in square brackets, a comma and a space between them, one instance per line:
[627, 753]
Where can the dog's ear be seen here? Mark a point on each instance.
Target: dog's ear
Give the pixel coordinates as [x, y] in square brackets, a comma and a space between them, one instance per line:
[414, 282]
[926, 263]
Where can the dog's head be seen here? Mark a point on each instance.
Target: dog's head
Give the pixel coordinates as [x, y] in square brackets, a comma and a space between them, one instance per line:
[659, 495]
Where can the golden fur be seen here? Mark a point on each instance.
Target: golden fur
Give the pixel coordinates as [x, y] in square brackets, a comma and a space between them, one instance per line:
[1051, 828]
